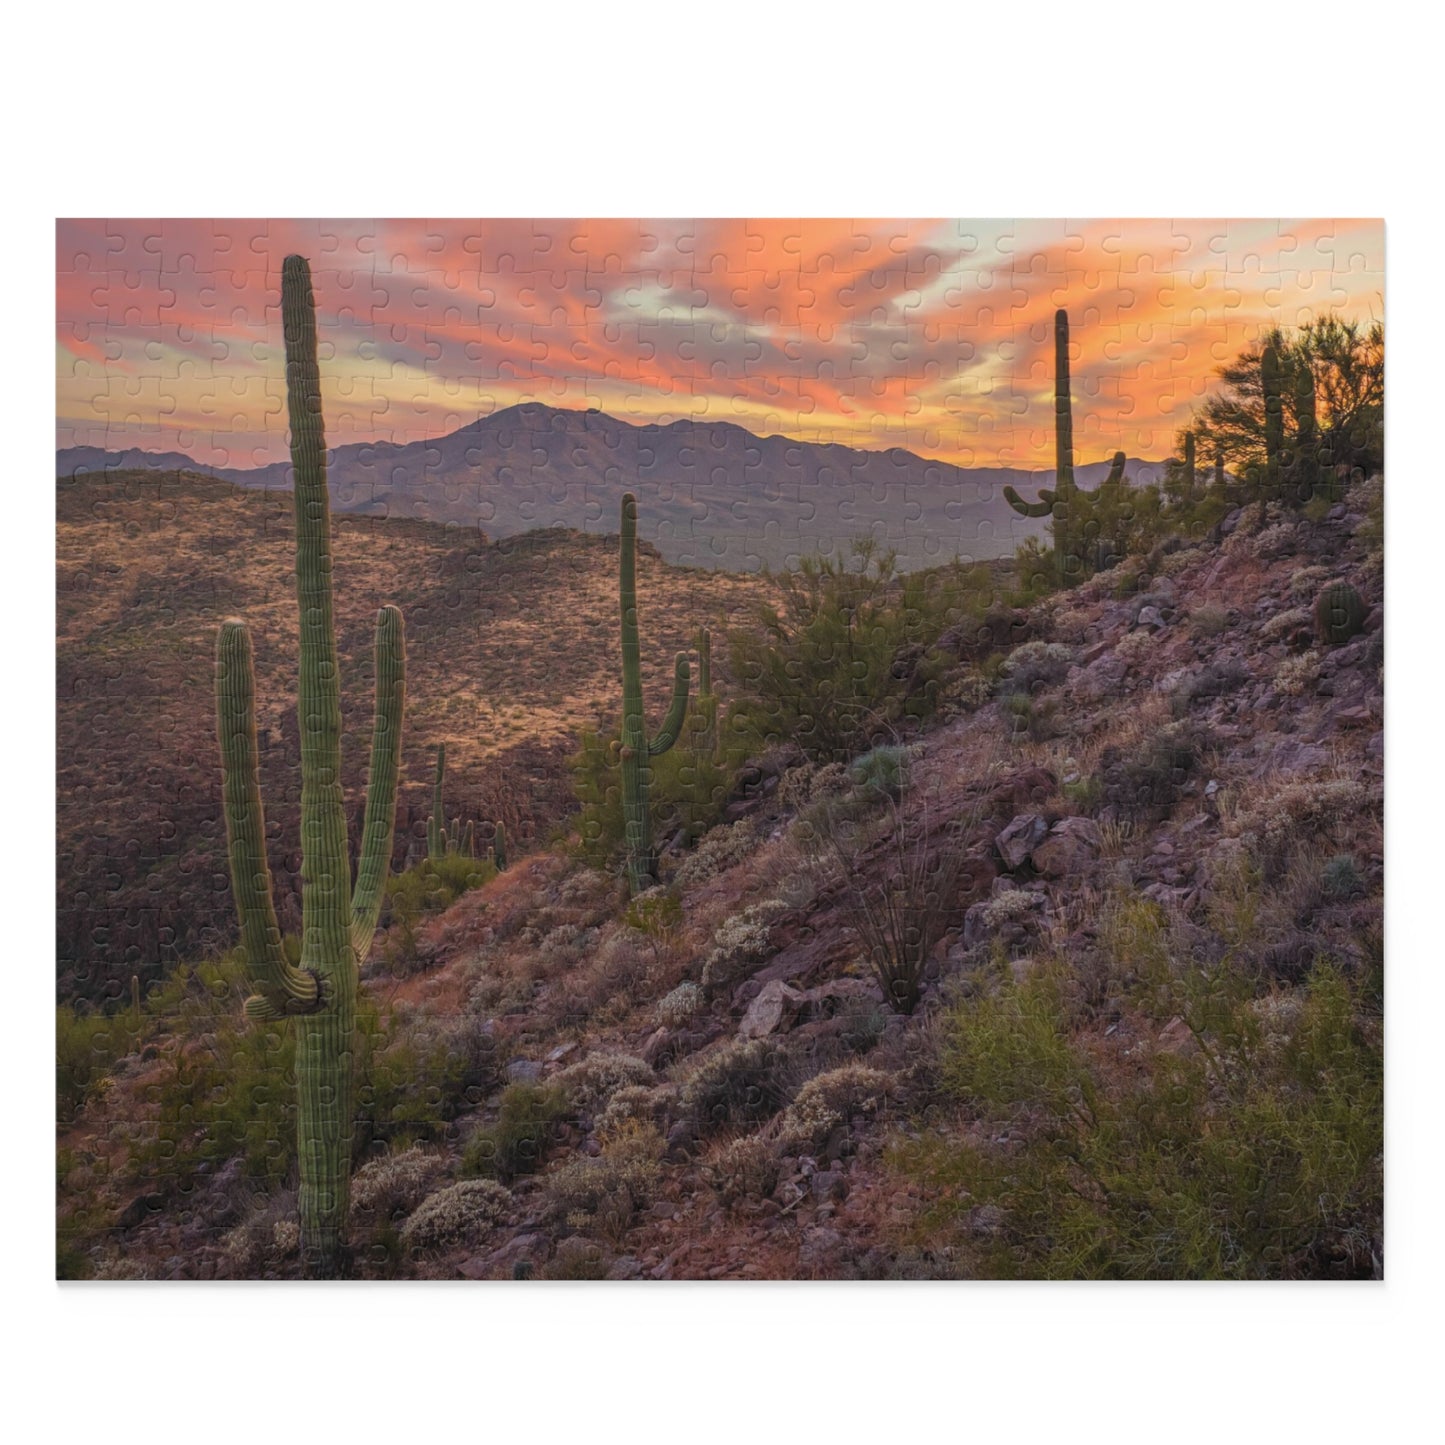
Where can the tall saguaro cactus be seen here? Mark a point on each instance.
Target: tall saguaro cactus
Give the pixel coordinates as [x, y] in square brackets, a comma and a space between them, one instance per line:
[338, 919]
[1191, 479]
[636, 747]
[706, 741]
[1062, 502]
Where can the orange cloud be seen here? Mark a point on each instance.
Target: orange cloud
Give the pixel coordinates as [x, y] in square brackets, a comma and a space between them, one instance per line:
[933, 334]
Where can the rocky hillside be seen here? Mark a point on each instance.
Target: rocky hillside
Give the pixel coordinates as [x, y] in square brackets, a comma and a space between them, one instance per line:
[1145, 851]
[148, 564]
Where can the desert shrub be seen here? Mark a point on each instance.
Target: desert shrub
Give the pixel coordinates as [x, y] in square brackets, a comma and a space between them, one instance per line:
[680, 1007]
[1145, 781]
[395, 1184]
[266, 1243]
[743, 1169]
[1252, 1151]
[1275, 822]
[850, 655]
[862, 1027]
[828, 1101]
[1296, 675]
[882, 770]
[634, 1102]
[577, 1259]
[428, 888]
[1013, 905]
[416, 1072]
[591, 1082]
[87, 1044]
[742, 1082]
[1305, 582]
[1283, 624]
[687, 792]
[1340, 878]
[1275, 541]
[969, 691]
[723, 848]
[740, 944]
[1029, 718]
[1208, 621]
[606, 1192]
[1134, 647]
[516, 1144]
[1034, 666]
[458, 1216]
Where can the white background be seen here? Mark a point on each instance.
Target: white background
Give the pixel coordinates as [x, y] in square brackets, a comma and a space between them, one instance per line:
[1114, 109]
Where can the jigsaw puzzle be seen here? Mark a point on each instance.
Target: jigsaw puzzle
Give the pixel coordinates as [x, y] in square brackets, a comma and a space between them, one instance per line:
[720, 749]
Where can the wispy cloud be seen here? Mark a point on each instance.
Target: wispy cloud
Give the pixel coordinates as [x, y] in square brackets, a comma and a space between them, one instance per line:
[934, 335]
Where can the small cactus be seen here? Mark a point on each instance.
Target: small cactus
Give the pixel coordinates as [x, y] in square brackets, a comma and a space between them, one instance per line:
[1339, 614]
[499, 847]
[636, 748]
[436, 832]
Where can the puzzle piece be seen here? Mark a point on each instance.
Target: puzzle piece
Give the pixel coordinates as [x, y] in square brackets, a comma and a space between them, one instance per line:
[890, 769]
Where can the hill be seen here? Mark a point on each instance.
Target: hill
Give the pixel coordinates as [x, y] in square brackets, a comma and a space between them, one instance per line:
[511, 652]
[711, 494]
[1147, 850]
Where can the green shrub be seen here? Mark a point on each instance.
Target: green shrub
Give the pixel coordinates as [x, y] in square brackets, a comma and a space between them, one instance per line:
[87, 1043]
[742, 1082]
[428, 888]
[518, 1141]
[882, 770]
[458, 1216]
[1340, 878]
[1251, 1150]
[851, 654]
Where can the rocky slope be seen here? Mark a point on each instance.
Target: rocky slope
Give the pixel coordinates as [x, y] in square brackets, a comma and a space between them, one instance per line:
[714, 1088]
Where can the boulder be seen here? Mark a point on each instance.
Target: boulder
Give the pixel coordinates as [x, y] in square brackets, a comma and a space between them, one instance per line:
[1019, 839]
[1072, 844]
[772, 1011]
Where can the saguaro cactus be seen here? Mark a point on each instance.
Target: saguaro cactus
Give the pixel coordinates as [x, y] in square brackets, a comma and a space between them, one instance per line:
[636, 747]
[338, 919]
[1062, 501]
[499, 847]
[1190, 476]
[706, 707]
[436, 832]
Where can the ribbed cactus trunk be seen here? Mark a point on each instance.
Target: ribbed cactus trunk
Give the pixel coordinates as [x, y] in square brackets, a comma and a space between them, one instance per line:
[499, 847]
[1307, 434]
[436, 834]
[706, 700]
[1190, 477]
[1066, 549]
[1271, 379]
[337, 920]
[636, 749]
[1063, 502]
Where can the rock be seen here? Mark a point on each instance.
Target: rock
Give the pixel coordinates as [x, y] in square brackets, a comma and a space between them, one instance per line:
[628, 1267]
[656, 1046]
[1020, 838]
[524, 1071]
[140, 1209]
[772, 1011]
[1099, 680]
[560, 1053]
[1093, 653]
[1376, 747]
[1072, 844]
[1152, 618]
[819, 1248]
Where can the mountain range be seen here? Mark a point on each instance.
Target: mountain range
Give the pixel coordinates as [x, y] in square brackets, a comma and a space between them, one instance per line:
[710, 494]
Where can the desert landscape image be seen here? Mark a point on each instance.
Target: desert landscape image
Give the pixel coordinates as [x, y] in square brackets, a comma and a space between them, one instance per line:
[598, 750]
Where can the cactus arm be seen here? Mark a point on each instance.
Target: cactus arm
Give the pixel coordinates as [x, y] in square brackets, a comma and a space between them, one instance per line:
[1044, 507]
[704, 663]
[381, 784]
[436, 833]
[282, 989]
[1116, 471]
[667, 734]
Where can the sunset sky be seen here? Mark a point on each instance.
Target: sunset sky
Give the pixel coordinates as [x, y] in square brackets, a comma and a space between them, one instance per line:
[932, 335]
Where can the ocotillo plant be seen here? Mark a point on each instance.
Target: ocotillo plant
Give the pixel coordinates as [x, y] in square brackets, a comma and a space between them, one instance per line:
[636, 747]
[338, 920]
[1271, 379]
[1062, 501]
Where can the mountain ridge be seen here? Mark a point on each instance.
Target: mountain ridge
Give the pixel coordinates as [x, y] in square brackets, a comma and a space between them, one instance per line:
[712, 493]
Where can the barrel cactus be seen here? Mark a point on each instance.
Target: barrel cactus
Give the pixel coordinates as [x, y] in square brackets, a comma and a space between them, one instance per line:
[338, 918]
[636, 748]
[1339, 614]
